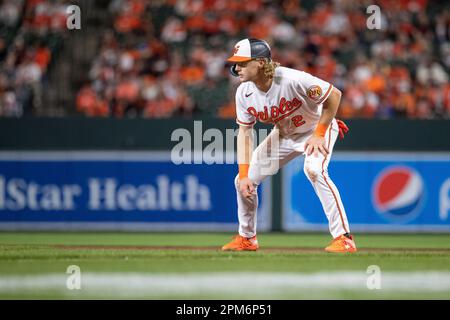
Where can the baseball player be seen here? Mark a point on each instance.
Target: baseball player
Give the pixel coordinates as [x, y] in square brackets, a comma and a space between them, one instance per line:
[302, 109]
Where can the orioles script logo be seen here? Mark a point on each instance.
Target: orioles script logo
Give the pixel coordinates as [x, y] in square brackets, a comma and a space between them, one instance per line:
[276, 113]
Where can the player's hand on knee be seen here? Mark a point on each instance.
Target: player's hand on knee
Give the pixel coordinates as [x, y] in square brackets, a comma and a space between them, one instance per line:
[246, 187]
[314, 145]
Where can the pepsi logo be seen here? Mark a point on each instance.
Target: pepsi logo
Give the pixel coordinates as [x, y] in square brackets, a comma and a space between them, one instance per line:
[398, 193]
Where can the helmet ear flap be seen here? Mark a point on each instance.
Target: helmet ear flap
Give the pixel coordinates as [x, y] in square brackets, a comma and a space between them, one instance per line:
[233, 71]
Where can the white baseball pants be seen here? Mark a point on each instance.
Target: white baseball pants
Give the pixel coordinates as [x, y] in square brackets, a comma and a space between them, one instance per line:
[271, 155]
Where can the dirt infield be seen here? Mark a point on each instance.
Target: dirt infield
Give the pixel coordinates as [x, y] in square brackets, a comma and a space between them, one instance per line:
[268, 249]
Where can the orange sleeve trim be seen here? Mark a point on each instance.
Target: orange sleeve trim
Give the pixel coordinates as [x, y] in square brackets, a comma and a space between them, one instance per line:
[321, 129]
[326, 94]
[245, 123]
[243, 170]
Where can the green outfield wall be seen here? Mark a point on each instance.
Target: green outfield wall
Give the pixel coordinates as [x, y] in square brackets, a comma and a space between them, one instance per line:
[139, 134]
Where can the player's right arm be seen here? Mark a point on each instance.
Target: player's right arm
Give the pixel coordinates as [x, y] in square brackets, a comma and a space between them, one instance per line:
[244, 155]
[244, 141]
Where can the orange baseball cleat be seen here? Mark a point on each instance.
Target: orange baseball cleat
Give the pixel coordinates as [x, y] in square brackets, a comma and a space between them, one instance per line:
[240, 243]
[343, 243]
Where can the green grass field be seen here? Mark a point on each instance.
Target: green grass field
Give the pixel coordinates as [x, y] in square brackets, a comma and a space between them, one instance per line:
[191, 266]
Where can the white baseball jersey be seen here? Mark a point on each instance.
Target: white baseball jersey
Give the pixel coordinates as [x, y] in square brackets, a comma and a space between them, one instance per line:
[293, 102]
[294, 105]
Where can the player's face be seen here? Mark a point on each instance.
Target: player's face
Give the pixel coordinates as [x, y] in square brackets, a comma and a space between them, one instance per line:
[248, 70]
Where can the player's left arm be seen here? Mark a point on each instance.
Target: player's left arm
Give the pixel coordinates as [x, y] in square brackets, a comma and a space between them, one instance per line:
[316, 143]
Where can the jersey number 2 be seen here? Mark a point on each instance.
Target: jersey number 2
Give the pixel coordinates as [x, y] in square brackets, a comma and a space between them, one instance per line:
[298, 121]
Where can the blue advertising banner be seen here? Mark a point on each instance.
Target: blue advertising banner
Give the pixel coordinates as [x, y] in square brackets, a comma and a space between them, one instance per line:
[380, 192]
[118, 191]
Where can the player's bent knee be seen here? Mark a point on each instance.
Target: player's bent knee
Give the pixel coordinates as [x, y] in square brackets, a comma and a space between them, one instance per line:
[236, 182]
[312, 172]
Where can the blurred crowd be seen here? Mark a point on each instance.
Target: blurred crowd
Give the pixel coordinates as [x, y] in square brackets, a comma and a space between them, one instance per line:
[176, 65]
[166, 58]
[30, 34]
